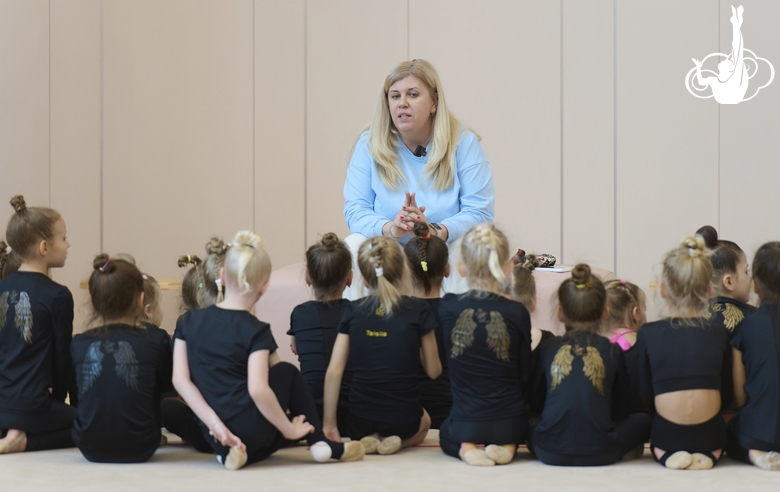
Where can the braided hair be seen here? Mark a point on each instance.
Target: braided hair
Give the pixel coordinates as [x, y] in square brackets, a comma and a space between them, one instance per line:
[382, 263]
[427, 256]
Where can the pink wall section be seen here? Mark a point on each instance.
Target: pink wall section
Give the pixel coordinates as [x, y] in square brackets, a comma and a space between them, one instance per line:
[152, 125]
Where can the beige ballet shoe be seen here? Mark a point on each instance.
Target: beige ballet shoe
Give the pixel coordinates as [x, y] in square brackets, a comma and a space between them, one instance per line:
[679, 460]
[236, 459]
[353, 451]
[635, 453]
[370, 444]
[769, 461]
[389, 445]
[700, 462]
[499, 454]
[19, 445]
[476, 457]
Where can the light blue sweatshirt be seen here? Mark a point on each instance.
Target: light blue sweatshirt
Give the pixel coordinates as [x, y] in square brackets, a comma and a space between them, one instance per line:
[369, 204]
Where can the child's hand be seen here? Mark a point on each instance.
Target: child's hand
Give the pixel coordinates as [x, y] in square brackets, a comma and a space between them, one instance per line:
[225, 437]
[298, 429]
[292, 349]
[331, 432]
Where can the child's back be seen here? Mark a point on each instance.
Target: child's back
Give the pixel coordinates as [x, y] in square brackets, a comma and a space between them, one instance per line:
[122, 372]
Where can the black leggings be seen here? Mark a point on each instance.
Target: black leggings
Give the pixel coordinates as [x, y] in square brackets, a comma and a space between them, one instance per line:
[739, 445]
[47, 430]
[629, 433]
[453, 432]
[260, 436]
[179, 419]
[701, 438]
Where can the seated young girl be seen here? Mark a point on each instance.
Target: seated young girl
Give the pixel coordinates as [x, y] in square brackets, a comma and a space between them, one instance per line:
[382, 335]
[227, 370]
[122, 370]
[581, 386]
[754, 433]
[627, 312]
[731, 281]
[427, 257]
[192, 282]
[36, 326]
[684, 365]
[314, 324]
[488, 339]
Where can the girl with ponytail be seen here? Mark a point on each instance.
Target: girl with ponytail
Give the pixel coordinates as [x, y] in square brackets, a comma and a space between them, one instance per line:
[684, 364]
[427, 257]
[227, 370]
[382, 336]
[487, 337]
[581, 386]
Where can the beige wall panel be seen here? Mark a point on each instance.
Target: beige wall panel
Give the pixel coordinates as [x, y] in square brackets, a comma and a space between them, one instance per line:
[499, 62]
[749, 149]
[667, 140]
[588, 192]
[178, 122]
[351, 46]
[280, 146]
[24, 103]
[75, 138]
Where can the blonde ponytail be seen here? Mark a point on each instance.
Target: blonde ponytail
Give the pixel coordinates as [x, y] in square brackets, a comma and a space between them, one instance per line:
[247, 262]
[381, 263]
[485, 251]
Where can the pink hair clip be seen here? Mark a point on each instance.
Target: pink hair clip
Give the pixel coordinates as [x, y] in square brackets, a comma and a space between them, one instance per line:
[145, 277]
[622, 282]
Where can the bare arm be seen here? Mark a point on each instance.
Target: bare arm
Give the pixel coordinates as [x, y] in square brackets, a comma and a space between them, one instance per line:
[266, 401]
[338, 360]
[430, 355]
[192, 395]
[293, 347]
[738, 376]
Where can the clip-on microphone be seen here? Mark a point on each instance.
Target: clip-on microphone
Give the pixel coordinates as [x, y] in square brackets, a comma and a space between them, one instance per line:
[420, 151]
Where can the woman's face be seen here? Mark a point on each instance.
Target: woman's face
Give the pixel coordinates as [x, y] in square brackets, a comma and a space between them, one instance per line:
[411, 105]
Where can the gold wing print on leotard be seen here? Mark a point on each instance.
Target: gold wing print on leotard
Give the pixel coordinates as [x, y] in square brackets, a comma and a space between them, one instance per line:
[732, 316]
[3, 308]
[561, 366]
[498, 336]
[593, 368]
[463, 333]
[23, 318]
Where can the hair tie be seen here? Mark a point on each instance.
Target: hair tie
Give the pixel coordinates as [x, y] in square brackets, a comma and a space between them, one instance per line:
[622, 282]
[218, 282]
[200, 285]
[144, 276]
[103, 268]
[379, 272]
[189, 258]
[424, 265]
[580, 286]
[427, 236]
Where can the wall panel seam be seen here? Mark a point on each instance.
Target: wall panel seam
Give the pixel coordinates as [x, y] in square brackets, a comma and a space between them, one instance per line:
[562, 155]
[254, 120]
[615, 135]
[305, 123]
[50, 203]
[101, 126]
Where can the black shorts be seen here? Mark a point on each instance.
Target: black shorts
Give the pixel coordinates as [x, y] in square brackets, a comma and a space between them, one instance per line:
[360, 428]
[698, 438]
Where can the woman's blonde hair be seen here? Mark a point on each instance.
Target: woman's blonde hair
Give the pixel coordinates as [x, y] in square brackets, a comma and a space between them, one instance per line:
[381, 263]
[247, 262]
[687, 274]
[485, 251]
[383, 139]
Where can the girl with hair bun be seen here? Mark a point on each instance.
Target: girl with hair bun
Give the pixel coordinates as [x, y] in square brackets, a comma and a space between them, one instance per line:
[386, 336]
[428, 259]
[581, 387]
[754, 433]
[314, 324]
[213, 290]
[488, 338]
[227, 370]
[123, 368]
[192, 283]
[730, 282]
[684, 365]
[36, 327]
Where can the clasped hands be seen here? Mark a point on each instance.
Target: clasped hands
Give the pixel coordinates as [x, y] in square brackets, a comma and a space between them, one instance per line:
[409, 214]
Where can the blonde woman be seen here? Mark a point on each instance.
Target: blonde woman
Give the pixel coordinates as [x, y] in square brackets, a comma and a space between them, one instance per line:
[416, 163]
